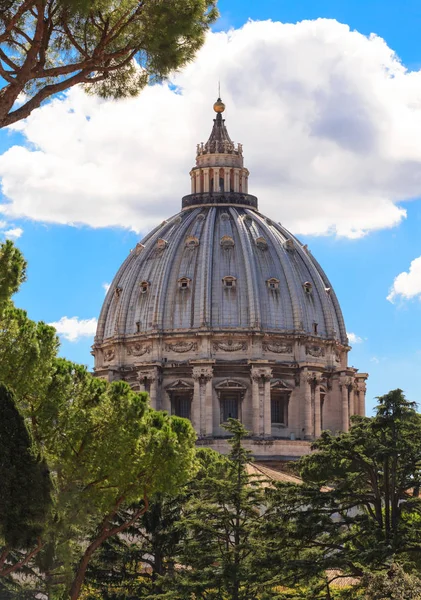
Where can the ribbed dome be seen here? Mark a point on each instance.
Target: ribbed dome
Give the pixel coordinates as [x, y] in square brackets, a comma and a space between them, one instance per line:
[221, 268]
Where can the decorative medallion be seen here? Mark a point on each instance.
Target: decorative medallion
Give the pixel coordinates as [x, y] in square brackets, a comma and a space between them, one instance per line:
[139, 248]
[181, 346]
[138, 349]
[316, 351]
[277, 347]
[229, 346]
[225, 217]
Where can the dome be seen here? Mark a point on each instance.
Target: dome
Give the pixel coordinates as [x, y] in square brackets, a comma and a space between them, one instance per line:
[221, 312]
[221, 268]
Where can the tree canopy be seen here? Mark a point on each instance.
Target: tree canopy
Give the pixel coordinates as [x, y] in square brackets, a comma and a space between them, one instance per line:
[113, 48]
[95, 448]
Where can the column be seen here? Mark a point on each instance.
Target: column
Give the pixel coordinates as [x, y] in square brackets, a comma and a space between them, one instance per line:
[361, 397]
[198, 190]
[306, 382]
[226, 179]
[195, 407]
[206, 179]
[317, 409]
[151, 377]
[344, 384]
[203, 413]
[255, 401]
[236, 180]
[192, 178]
[351, 401]
[267, 416]
[243, 182]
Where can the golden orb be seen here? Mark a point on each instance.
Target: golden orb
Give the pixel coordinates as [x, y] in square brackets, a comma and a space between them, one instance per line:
[219, 106]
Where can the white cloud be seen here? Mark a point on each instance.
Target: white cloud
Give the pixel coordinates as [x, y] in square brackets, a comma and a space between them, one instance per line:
[13, 234]
[106, 287]
[330, 121]
[73, 328]
[354, 339]
[407, 284]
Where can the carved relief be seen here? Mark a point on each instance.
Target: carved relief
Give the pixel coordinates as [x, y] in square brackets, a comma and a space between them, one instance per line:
[138, 349]
[316, 351]
[229, 345]
[277, 346]
[109, 354]
[181, 346]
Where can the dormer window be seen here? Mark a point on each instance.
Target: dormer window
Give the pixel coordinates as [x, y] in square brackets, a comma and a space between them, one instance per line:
[161, 244]
[289, 245]
[272, 283]
[184, 283]
[315, 328]
[191, 241]
[308, 288]
[227, 242]
[229, 281]
[144, 286]
[261, 243]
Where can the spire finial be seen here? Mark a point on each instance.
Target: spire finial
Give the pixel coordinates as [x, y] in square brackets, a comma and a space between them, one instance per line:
[219, 106]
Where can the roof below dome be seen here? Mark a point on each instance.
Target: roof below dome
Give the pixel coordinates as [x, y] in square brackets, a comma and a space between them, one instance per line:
[221, 268]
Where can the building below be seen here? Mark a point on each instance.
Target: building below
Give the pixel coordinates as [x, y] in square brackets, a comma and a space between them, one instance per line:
[220, 312]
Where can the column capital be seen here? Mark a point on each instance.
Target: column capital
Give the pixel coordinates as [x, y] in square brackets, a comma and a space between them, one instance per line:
[313, 377]
[261, 373]
[150, 374]
[345, 381]
[202, 373]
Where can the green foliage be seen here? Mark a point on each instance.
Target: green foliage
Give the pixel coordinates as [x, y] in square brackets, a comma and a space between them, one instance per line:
[222, 524]
[393, 584]
[25, 481]
[12, 272]
[359, 505]
[106, 451]
[112, 48]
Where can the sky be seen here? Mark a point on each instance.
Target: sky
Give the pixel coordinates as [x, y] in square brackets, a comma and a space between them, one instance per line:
[325, 97]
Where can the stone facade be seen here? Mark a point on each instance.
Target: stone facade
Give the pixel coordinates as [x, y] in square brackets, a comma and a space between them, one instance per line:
[220, 312]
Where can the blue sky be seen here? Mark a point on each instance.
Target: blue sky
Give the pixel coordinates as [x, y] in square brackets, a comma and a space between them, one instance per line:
[68, 265]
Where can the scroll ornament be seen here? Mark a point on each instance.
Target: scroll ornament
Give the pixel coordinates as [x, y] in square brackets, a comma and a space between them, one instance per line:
[138, 350]
[230, 346]
[181, 347]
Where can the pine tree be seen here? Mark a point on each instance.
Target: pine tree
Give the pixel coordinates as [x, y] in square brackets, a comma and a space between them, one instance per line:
[222, 521]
